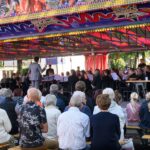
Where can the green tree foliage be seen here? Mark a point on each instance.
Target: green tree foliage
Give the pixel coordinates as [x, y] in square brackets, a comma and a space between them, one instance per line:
[120, 60]
[1, 64]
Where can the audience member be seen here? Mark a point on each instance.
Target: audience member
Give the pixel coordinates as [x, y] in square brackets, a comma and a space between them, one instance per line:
[18, 96]
[133, 109]
[5, 128]
[117, 110]
[52, 114]
[50, 71]
[147, 76]
[72, 80]
[145, 113]
[142, 64]
[9, 106]
[97, 82]
[114, 109]
[81, 86]
[54, 90]
[32, 123]
[107, 80]
[38, 100]
[73, 126]
[83, 108]
[118, 97]
[105, 126]
[132, 75]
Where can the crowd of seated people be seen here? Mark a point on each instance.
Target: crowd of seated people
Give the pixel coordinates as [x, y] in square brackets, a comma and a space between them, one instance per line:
[53, 123]
[51, 118]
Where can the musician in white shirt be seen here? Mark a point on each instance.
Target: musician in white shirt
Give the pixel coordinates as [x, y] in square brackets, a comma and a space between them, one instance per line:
[73, 126]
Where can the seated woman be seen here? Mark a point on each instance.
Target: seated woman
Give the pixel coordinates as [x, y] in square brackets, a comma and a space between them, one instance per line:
[105, 126]
[52, 114]
[5, 127]
[32, 122]
[133, 109]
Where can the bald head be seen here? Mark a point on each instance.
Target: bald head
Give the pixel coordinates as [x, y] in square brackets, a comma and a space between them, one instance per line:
[33, 94]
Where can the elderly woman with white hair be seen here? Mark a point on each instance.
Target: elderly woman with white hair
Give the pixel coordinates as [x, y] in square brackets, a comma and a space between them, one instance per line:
[117, 110]
[9, 106]
[114, 109]
[52, 114]
[73, 126]
[133, 109]
[83, 108]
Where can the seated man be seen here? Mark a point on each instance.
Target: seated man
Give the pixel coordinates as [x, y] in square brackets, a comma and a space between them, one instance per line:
[33, 122]
[73, 126]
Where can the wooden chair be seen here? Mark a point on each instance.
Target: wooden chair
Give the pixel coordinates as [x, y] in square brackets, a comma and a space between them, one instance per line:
[133, 127]
[88, 142]
[146, 137]
[15, 148]
[16, 136]
[4, 146]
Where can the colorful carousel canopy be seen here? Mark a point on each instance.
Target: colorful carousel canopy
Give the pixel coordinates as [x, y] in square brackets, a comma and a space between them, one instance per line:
[111, 26]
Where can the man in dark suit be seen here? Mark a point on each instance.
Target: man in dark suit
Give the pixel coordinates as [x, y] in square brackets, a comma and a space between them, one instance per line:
[50, 71]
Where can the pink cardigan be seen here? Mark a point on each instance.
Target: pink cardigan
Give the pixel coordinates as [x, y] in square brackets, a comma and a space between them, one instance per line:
[133, 112]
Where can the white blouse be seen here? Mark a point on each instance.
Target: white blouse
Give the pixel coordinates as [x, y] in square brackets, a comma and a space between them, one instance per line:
[5, 127]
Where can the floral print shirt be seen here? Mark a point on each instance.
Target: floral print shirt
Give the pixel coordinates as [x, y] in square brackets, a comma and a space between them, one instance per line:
[31, 117]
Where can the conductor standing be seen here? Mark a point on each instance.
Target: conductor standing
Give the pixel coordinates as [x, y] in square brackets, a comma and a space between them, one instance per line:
[35, 73]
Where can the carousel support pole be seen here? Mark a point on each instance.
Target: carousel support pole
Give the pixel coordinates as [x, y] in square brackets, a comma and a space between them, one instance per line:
[19, 66]
[57, 65]
[71, 63]
[94, 57]
[62, 64]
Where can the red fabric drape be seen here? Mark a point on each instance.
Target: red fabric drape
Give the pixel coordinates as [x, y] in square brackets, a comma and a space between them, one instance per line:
[96, 62]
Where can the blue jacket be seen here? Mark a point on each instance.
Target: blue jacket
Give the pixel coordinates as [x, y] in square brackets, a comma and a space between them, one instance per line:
[144, 115]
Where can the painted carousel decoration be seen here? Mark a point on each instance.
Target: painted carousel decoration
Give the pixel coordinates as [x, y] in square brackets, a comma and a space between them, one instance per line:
[81, 25]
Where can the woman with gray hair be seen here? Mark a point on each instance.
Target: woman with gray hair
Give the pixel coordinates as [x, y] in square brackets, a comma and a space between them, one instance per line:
[54, 89]
[9, 106]
[117, 110]
[52, 113]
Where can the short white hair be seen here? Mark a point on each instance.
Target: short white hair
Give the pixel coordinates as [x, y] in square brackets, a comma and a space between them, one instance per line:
[6, 92]
[54, 88]
[148, 96]
[134, 96]
[50, 100]
[40, 93]
[81, 95]
[110, 92]
[76, 100]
